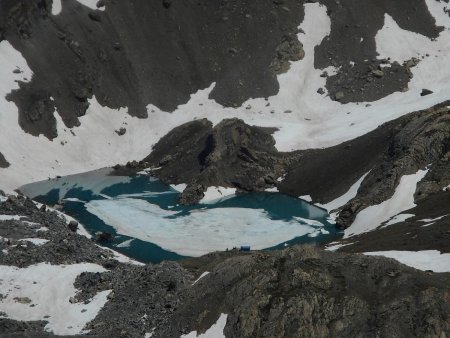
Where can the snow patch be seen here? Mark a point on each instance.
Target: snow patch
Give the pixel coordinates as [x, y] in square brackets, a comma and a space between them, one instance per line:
[10, 217]
[335, 246]
[216, 194]
[91, 4]
[179, 187]
[422, 260]
[201, 276]
[306, 198]
[401, 45]
[35, 241]
[398, 219]
[56, 7]
[215, 331]
[427, 220]
[49, 288]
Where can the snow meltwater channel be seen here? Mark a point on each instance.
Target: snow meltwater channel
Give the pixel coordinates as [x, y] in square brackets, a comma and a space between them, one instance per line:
[150, 226]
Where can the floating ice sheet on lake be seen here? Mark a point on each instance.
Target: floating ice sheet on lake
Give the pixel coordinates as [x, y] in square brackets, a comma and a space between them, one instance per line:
[202, 230]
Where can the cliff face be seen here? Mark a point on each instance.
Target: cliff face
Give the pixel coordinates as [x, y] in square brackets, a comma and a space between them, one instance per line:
[230, 154]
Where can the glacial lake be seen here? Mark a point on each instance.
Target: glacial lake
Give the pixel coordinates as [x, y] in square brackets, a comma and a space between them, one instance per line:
[150, 226]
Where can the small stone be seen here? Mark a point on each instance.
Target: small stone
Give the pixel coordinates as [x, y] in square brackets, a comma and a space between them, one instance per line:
[22, 300]
[426, 92]
[73, 226]
[321, 91]
[121, 131]
[378, 73]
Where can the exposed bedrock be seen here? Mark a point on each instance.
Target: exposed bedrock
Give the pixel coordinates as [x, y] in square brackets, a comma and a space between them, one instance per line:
[230, 154]
[304, 292]
[135, 53]
[3, 162]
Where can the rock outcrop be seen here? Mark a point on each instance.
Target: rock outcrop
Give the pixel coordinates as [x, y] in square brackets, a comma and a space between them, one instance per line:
[230, 154]
[304, 292]
[3, 162]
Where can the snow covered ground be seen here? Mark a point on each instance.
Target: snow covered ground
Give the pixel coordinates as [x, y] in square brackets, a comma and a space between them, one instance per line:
[200, 232]
[421, 260]
[57, 5]
[96, 144]
[215, 331]
[373, 216]
[43, 292]
[217, 194]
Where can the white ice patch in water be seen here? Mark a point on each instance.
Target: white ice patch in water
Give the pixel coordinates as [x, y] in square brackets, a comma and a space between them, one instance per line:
[421, 260]
[200, 232]
[273, 189]
[49, 288]
[216, 194]
[125, 244]
[342, 200]
[373, 216]
[94, 181]
[215, 331]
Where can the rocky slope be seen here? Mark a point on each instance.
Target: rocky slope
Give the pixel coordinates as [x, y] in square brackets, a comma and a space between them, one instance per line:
[231, 154]
[251, 95]
[300, 291]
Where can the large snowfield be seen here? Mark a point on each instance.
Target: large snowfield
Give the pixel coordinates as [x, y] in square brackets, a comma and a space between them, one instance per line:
[96, 144]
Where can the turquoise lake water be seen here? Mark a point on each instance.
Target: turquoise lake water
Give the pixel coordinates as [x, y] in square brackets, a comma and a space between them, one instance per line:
[150, 226]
